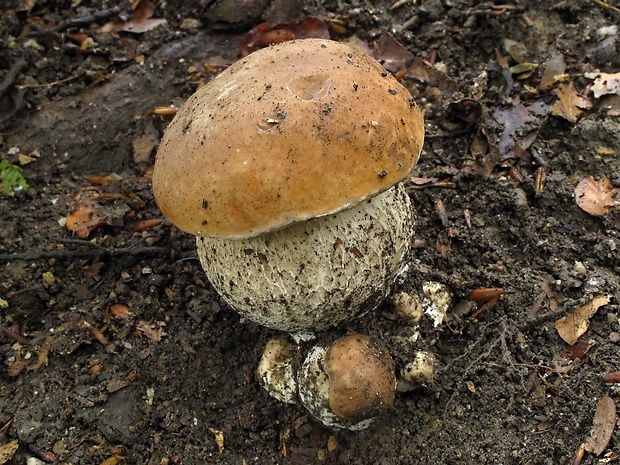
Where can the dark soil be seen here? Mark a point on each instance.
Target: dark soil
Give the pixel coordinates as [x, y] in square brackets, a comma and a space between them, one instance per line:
[85, 382]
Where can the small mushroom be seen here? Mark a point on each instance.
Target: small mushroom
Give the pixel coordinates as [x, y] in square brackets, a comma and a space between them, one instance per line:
[287, 166]
[277, 372]
[420, 372]
[349, 383]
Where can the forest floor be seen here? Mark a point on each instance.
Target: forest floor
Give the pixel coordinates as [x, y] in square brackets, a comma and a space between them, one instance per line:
[114, 347]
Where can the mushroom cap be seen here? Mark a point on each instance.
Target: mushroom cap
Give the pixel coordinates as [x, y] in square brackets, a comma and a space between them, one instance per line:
[362, 379]
[349, 383]
[294, 131]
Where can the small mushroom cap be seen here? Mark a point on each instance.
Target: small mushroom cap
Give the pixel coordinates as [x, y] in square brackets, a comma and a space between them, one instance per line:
[349, 383]
[291, 132]
[361, 375]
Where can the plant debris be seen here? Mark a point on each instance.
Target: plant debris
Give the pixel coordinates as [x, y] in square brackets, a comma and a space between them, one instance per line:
[572, 326]
[604, 425]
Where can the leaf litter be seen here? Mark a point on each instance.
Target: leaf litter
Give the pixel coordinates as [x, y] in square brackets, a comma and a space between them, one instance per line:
[572, 326]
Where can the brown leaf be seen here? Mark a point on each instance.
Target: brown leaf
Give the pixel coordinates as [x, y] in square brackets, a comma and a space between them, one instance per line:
[264, 34]
[603, 428]
[120, 311]
[154, 331]
[594, 197]
[554, 72]
[578, 350]
[143, 225]
[577, 322]
[569, 102]
[144, 145]
[84, 220]
[611, 378]
[7, 451]
[140, 22]
[516, 119]
[486, 294]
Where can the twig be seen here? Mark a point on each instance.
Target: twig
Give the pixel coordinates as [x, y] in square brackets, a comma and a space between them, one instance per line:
[532, 322]
[79, 22]
[13, 335]
[606, 6]
[96, 252]
[448, 135]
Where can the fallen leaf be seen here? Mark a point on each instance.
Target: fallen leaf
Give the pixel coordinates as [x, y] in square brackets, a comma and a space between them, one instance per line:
[143, 225]
[264, 35]
[569, 104]
[594, 196]
[611, 378]
[486, 294]
[604, 83]
[139, 23]
[603, 428]
[114, 460]
[144, 145]
[84, 220]
[219, 439]
[7, 451]
[154, 331]
[554, 72]
[515, 120]
[577, 322]
[120, 311]
[578, 350]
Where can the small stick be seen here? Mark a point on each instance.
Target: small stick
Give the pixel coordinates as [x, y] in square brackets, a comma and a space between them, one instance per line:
[447, 135]
[97, 252]
[79, 22]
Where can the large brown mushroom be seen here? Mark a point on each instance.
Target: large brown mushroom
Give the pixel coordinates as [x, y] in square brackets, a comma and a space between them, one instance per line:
[287, 167]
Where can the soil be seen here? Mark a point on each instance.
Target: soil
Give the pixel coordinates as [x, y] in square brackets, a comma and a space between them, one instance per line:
[116, 350]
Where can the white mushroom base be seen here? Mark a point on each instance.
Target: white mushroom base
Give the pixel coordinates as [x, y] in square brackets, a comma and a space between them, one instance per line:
[318, 273]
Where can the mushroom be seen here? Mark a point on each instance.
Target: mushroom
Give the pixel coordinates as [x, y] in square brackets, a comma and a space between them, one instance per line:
[287, 167]
[349, 383]
[276, 372]
[420, 372]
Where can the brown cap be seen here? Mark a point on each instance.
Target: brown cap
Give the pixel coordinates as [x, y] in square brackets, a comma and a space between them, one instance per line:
[291, 132]
[362, 382]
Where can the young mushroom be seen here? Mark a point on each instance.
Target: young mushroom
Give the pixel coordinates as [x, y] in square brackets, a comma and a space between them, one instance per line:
[349, 383]
[287, 167]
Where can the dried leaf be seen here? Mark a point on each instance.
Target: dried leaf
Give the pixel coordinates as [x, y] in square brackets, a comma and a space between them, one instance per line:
[578, 350]
[604, 83]
[611, 378]
[84, 220]
[516, 120]
[577, 322]
[154, 331]
[594, 196]
[139, 23]
[114, 460]
[603, 428]
[486, 294]
[7, 451]
[120, 311]
[554, 72]
[569, 102]
[144, 145]
[264, 34]
[219, 439]
[143, 225]
[524, 68]
[45, 350]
